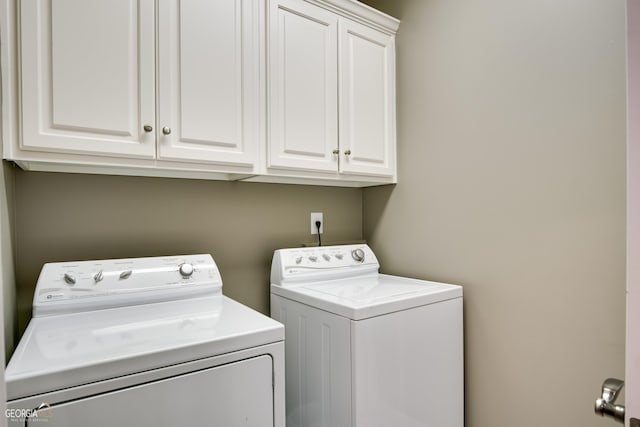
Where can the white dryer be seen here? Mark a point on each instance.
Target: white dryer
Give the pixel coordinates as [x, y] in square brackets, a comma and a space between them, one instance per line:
[365, 349]
[144, 342]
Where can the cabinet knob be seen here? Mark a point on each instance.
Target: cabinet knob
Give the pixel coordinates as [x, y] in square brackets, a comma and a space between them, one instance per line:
[347, 152]
[336, 152]
[148, 128]
[166, 130]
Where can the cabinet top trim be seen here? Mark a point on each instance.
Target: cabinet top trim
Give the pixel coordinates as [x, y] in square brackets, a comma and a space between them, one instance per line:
[361, 12]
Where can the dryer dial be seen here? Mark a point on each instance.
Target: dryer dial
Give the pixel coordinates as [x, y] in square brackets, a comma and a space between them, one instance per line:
[186, 270]
[358, 255]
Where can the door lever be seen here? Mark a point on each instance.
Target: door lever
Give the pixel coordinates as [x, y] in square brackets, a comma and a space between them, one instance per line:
[605, 406]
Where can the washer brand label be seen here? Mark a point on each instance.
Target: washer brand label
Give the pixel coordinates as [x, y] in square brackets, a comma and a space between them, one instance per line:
[20, 415]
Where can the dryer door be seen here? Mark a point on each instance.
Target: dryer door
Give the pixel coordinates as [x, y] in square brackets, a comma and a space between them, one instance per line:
[236, 394]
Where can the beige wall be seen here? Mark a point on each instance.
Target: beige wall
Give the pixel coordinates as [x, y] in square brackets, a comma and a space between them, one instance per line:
[511, 124]
[7, 278]
[72, 217]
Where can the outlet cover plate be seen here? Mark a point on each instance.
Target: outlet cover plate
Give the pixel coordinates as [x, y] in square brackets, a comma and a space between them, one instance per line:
[316, 216]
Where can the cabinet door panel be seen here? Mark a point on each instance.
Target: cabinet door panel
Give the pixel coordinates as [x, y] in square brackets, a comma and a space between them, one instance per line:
[303, 87]
[367, 100]
[87, 73]
[209, 75]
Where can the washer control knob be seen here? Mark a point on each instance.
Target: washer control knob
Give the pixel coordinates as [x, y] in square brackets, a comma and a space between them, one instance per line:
[358, 254]
[326, 257]
[339, 255]
[298, 260]
[70, 279]
[186, 270]
[98, 276]
[125, 274]
[313, 258]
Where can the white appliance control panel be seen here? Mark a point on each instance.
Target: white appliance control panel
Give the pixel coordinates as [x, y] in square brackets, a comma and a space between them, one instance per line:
[290, 266]
[66, 287]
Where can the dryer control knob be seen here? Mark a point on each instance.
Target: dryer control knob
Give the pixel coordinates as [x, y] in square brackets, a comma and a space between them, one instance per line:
[70, 279]
[98, 276]
[358, 254]
[186, 270]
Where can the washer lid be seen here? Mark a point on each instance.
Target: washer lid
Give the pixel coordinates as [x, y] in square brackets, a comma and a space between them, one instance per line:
[63, 351]
[364, 297]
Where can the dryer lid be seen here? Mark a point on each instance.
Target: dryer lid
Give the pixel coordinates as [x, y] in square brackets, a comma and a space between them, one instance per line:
[68, 350]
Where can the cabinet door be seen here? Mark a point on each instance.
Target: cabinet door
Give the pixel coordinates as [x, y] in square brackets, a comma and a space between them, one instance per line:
[88, 76]
[303, 56]
[209, 80]
[367, 100]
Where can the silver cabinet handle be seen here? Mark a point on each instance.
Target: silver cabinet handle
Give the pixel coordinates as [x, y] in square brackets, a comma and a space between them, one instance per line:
[166, 130]
[347, 152]
[148, 128]
[605, 406]
[336, 152]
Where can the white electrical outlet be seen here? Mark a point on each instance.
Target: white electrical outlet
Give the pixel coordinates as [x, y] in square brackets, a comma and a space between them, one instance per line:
[316, 216]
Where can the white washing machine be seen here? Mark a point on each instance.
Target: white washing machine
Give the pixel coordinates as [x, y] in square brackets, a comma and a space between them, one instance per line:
[365, 349]
[144, 342]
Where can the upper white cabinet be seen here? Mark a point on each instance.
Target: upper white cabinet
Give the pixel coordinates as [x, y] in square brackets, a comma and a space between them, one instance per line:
[87, 76]
[209, 80]
[367, 100]
[303, 97]
[296, 91]
[331, 91]
[178, 86]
